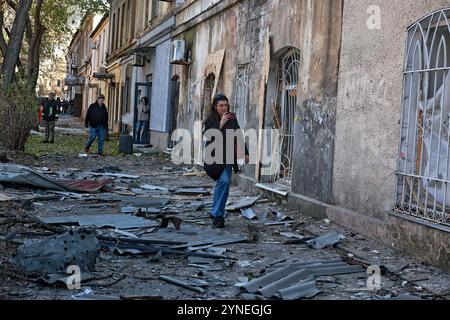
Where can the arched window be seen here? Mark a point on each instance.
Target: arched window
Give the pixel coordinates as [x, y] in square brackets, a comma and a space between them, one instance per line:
[241, 94]
[288, 79]
[424, 162]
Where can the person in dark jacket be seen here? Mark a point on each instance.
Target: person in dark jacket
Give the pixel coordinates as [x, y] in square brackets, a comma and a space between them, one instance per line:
[97, 122]
[219, 166]
[50, 116]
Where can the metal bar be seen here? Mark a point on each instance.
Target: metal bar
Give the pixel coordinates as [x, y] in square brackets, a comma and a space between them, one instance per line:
[181, 284]
[419, 189]
[427, 70]
[407, 136]
[421, 177]
[416, 119]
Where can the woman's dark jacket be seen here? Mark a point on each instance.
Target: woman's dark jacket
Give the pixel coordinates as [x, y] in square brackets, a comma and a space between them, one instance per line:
[215, 170]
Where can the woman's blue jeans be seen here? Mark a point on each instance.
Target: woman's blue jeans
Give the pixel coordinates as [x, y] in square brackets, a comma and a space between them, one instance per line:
[221, 192]
[141, 133]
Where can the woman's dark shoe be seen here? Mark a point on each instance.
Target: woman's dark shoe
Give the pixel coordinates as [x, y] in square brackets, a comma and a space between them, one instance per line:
[219, 222]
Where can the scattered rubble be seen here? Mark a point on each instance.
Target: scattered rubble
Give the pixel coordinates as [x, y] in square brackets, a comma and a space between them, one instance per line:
[152, 235]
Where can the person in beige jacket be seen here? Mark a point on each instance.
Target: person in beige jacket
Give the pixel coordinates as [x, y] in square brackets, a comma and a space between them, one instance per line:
[141, 134]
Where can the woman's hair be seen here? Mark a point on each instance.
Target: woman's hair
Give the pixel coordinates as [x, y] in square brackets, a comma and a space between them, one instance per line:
[213, 114]
[145, 100]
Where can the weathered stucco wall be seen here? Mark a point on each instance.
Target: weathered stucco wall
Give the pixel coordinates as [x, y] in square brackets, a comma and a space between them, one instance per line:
[369, 102]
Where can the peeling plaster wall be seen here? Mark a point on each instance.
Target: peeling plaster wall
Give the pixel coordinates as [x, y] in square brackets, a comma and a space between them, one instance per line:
[313, 27]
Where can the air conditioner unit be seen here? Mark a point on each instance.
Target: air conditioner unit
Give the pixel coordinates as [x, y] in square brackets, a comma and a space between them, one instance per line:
[87, 59]
[102, 69]
[138, 60]
[94, 46]
[177, 53]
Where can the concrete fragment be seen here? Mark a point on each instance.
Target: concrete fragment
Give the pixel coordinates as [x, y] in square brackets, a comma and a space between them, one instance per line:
[57, 253]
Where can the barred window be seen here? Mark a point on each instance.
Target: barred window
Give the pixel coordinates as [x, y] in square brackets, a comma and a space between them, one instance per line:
[423, 188]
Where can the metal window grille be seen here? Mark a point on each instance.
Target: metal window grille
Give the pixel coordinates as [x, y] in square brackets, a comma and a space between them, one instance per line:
[287, 97]
[241, 95]
[208, 90]
[423, 187]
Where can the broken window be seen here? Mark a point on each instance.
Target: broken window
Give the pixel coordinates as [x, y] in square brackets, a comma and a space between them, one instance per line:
[423, 188]
[241, 95]
[288, 77]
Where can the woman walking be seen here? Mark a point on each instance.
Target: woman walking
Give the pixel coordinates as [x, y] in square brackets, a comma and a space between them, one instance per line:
[143, 121]
[219, 166]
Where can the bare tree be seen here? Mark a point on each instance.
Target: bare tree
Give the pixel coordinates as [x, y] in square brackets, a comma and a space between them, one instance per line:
[11, 55]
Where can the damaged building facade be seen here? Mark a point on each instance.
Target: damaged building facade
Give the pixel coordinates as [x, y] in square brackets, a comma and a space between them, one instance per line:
[346, 96]
[358, 91]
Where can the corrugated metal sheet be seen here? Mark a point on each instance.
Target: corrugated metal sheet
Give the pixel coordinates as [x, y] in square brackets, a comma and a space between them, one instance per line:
[296, 280]
[120, 221]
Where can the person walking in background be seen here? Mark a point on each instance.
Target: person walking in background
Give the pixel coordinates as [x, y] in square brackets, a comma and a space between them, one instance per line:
[143, 122]
[50, 116]
[97, 122]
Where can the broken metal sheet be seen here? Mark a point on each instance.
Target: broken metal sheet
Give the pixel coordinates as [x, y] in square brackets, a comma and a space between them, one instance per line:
[327, 240]
[131, 209]
[4, 197]
[251, 297]
[292, 235]
[115, 175]
[278, 223]
[242, 204]
[300, 264]
[256, 284]
[295, 280]
[198, 205]
[155, 188]
[85, 185]
[26, 176]
[249, 214]
[296, 277]
[280, 216]
[181, 284]
[332, 271]
[126, 234]
[72, 195]
[192, 191]
[192, 236]
[128, 209]
[55, 254]
[281, 190]
[23, 175]
[147, 202]
[200, 260]
[63, 278]
[119, 221]
[303, 290]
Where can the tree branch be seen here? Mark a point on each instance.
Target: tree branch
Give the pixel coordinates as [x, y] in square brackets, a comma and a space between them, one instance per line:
[3, 44]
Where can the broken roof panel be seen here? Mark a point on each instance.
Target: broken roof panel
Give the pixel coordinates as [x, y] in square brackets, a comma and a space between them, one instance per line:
[242, 204]
[120, 221]
[326, 240]
[12, 173]
[301, 290]
[296, 280]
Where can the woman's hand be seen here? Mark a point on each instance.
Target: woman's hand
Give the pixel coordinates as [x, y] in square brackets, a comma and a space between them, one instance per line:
[225, 118]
